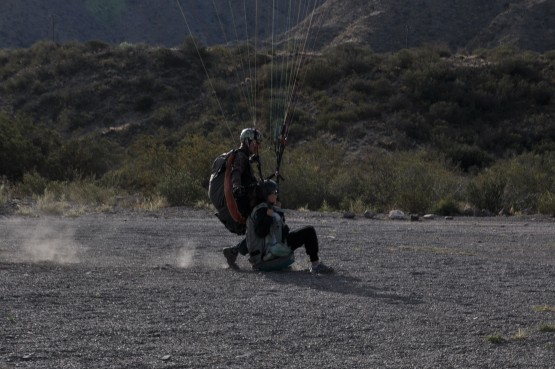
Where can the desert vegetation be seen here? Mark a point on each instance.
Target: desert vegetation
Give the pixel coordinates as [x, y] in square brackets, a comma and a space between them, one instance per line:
[422, 130]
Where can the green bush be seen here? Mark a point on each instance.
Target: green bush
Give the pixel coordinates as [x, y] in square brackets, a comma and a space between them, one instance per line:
[528, 176]
[32, 184]
[421, 182]
[351, 58]
[320, 75]
[88, 157]
[345, 187]
[180, 188]
[447, 207]
[521, 183]
[90, 192]
[196, 155]
[146, 163]
[486, 190]
[467, 157]
[307, 171]
[17, 152]
[164, 116]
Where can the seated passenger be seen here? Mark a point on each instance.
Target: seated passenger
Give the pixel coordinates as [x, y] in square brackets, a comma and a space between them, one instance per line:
[269, 238]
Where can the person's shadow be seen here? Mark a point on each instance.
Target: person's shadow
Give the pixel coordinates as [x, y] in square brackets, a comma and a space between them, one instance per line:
[338, 283]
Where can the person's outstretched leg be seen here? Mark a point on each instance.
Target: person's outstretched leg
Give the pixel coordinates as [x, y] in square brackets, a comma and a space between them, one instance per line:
[304, 236]
[307, 236]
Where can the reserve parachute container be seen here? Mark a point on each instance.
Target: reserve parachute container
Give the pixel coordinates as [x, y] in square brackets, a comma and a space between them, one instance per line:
[221, 196]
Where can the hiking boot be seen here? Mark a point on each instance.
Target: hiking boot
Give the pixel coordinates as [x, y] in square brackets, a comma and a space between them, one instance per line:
[230, 254]
[321, 268]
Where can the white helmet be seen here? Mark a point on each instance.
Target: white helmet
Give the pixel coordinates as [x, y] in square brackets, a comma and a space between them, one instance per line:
[250, 134]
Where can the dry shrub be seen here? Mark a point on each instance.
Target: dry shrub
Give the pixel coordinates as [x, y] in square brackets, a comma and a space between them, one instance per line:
[546, 203]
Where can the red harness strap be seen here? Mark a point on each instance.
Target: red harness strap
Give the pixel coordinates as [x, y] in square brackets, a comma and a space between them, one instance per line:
[229, 199]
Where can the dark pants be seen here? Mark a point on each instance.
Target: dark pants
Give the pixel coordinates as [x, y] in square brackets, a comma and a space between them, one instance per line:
[242, 247]
[305, 236]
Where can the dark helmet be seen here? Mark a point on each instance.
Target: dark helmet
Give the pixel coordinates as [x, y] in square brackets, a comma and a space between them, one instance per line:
[249, 134]
[270, 187]
[266, 188]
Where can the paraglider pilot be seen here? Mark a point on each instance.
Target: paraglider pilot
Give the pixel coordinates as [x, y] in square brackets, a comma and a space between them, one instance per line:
[243, 183]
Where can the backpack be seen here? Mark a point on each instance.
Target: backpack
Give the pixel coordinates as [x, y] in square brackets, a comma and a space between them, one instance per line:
[219, 192]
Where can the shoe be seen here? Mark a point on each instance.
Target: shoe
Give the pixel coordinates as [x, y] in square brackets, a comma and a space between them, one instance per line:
[230, 254]
[321, 268]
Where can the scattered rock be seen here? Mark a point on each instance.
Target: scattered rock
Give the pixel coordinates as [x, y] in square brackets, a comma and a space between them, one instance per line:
[397, 215]
[471, 211]
[414, 218]
[504, 212]
[10, 207]
[486, 213]
[528, 211]
[166, 357]
[448, 218]
[349, 215]
[369, 214]
[429, 216]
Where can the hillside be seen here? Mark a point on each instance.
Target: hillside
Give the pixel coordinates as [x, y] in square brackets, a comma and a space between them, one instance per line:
[421, 129]
[407, 98]
[25, 22]
[378, 24]
[470, 24]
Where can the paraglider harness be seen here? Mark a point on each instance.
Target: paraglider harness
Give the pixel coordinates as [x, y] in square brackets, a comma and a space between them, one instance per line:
[221, 196]
[220, 191]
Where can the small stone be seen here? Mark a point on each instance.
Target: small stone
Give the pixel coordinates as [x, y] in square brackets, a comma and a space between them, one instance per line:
[504, 212]
[349, 215]
[486, 213]
[369, 214]
[429, 216]
[471, 211]
[449, 218]
[166, 357]
[397, 215]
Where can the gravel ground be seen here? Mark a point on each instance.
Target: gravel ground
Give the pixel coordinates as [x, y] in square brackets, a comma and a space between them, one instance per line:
[152, 290]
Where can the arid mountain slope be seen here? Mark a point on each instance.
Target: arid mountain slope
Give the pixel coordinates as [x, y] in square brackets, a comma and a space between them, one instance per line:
[381, 25]
[395, 24]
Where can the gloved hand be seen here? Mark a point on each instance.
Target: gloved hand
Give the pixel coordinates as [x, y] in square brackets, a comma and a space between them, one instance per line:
[238, 191]
[254, 159]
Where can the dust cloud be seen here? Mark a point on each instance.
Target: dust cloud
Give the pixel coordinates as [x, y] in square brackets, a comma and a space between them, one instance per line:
[191, 255]
[46, 241]
[185, 257]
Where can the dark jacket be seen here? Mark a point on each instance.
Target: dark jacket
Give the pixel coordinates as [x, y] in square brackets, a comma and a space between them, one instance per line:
[242, 177]
[262, 221]
[241, 172]
[266, 235]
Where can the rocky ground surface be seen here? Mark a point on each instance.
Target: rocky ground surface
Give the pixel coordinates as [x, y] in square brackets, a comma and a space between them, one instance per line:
[152, 290]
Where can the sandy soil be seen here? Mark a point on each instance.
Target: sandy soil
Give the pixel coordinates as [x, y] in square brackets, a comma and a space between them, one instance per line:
[152, 290]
